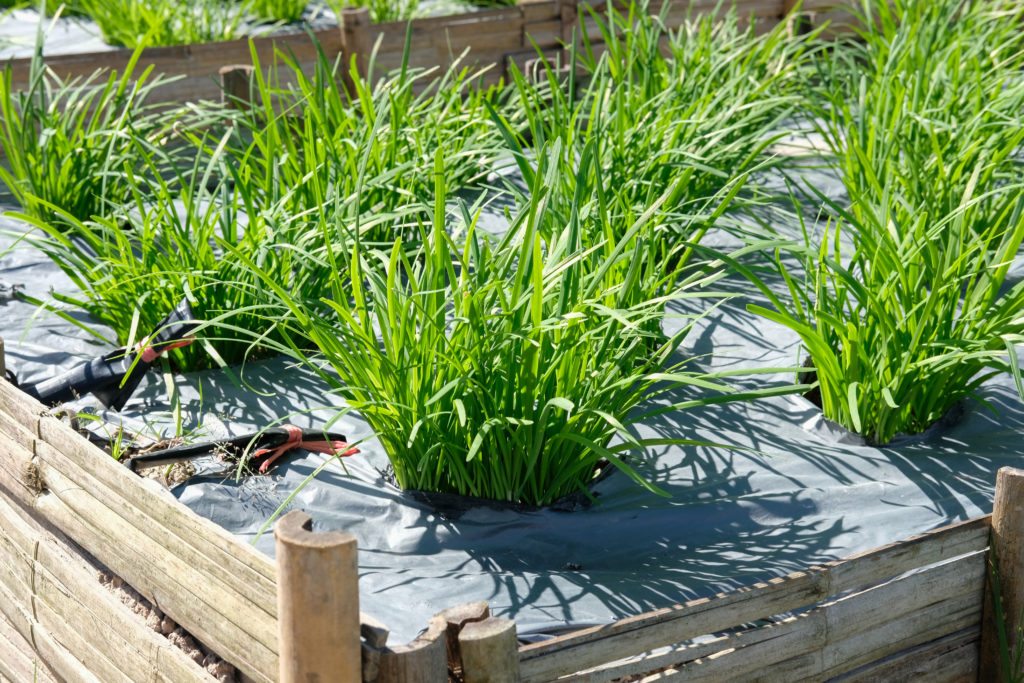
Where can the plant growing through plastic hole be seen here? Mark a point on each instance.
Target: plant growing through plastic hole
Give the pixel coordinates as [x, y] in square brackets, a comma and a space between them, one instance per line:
[277, 10]
[905, 301]
[145, 23]
[303, 137]
[504, 370]
[266, 188]
[699, 105]
[67, 142]
[911, 318]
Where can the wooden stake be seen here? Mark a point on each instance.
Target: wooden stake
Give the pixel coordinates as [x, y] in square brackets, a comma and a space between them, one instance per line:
[355, 41]
[423, 660]
[236, 81]
[1008, 549]
[490, 651]
[317, 603]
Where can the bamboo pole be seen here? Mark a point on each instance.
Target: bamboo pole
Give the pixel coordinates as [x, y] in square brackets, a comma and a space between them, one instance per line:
[1007, 550]
[317, 603]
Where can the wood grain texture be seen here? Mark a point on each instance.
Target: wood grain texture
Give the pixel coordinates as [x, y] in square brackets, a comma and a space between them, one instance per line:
[951, 659]
[1008, 557]
[632, 637]
[19, 408]
[318, 603]
[18, 661]
[221, 619]
[488, 650]
[423, 660]
[52, 588]
[876, 626]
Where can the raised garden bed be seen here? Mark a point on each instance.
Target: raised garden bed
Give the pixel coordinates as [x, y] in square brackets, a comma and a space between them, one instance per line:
[526, 313]
[495, 37]
[913, 608]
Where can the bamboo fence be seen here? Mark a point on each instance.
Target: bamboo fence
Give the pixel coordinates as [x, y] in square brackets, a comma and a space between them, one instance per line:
[70, 515]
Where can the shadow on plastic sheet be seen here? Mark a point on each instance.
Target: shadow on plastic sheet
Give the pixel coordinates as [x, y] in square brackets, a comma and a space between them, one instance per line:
[274, 388]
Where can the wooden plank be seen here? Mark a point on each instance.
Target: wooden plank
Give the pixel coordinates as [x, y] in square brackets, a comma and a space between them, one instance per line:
[54, 574]
[197, 60]
[257, 571]
[18, 612]
[17, 476]
[453, 43]
[538, 10]
[951, 659]
[163, 537]
[16, 602]
[915, 628]
[797, 640]
[676, 656]
[429, 25]
[12, 429]
[121, 638]
[544, 33]
[18, 661]
[78, 644]
[64, 664]
[72, 589]
[15, 559]
[917, 551]
[19, 406]
[847, 633]
[627, 637]
[185, 594]
[871, 609]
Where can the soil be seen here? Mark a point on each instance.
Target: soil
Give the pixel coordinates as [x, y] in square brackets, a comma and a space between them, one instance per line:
[130, 448]
[452, 506]
[164, 625]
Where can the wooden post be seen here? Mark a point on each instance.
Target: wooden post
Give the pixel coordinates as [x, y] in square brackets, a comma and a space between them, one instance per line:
[569, 16]
[490, 651]
[236, 84]
[423, 660]
[317, 603]
[1008, 549]
[355, 42]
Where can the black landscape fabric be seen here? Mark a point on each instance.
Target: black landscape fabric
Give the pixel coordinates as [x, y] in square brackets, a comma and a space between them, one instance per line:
[802, 494]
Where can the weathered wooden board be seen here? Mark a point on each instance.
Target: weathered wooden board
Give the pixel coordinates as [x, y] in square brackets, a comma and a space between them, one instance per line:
[194, 67]
[18, 661]
[860, 629]
[951, 659]
[50, 594]
[626, 638]
[219, 589]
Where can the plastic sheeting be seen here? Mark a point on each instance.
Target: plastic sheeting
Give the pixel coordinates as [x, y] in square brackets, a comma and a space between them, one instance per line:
[804, 494]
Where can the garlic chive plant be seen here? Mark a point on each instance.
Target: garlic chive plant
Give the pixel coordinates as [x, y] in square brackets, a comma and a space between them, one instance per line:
[146, 23]
[502, 368]
[264, 181]
[68, 143]
[700, 104]
[905, 305]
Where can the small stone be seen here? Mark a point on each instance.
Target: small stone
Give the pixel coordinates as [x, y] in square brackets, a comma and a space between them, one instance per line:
[153, 622]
